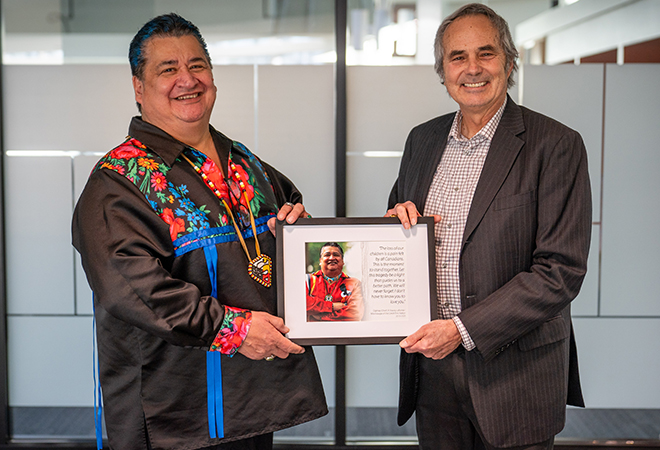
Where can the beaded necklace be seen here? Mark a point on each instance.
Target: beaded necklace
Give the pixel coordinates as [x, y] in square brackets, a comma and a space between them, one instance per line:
[328, 281]
[261, 267]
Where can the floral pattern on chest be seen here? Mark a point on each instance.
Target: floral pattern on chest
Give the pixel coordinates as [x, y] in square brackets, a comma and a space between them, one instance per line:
[179, 204]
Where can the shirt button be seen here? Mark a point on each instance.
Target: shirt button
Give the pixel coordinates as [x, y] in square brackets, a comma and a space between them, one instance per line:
[448, 225]
[456, 188]
[443, 265]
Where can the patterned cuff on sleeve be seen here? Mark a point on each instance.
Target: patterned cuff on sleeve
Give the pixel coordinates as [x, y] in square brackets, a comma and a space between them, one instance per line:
[233, 331]
[468, 343]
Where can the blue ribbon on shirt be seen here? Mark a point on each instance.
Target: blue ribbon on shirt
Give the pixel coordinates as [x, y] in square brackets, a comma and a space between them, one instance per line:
[213, 359]
[213, 370]
[98, 398]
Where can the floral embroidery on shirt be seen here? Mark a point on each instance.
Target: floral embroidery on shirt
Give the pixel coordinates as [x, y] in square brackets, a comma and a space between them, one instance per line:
[132, 160]
[176, 224]
[234, 329]
[172, 203]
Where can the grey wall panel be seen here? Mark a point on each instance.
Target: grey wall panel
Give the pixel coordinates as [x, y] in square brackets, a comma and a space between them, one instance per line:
[73, 107]
[586, 303]
[325, 359]
[372, 376]
[50, 361]
[619, 362]
[631, 205]
[39, 253]
[235, 103]
[368, 183]
[572, 95]
[296, 129]
[385, 103]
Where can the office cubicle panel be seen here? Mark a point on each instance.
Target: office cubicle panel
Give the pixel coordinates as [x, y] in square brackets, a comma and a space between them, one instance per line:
[631, 205]
[296, 125]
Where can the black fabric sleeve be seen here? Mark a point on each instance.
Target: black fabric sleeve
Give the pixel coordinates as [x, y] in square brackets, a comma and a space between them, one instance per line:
[285, 190]
[128, 256]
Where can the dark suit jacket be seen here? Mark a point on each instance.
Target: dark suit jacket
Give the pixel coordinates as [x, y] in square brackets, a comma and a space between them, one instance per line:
[522, 262]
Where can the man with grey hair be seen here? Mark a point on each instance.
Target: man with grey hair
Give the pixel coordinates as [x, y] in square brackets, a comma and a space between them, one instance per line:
[510, 193]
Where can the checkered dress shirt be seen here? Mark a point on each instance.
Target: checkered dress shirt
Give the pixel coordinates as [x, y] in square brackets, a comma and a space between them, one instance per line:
[450, 196]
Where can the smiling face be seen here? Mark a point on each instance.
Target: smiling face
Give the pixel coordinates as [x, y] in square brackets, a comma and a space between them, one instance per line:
[475, 66]
[331, 262]
[176, 90]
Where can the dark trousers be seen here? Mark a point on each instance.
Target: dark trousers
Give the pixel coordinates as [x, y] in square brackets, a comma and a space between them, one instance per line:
[445, 415]
[262, 442]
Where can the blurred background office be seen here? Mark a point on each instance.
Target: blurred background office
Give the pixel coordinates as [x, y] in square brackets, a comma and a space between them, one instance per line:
[326, 91]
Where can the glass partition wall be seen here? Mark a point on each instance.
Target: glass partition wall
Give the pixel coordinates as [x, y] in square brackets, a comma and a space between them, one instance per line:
[68, 85]
[389, 92]
[287, 92]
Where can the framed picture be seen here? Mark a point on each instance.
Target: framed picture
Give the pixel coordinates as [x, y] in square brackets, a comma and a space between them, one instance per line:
[355, 280]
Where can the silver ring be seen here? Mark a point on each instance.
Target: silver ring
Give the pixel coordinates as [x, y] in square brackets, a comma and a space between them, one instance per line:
[270, 358]
[290, 204]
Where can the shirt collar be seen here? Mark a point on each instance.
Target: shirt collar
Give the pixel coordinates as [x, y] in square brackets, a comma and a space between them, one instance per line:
[320, 273]
[167, 147]
[487, 132]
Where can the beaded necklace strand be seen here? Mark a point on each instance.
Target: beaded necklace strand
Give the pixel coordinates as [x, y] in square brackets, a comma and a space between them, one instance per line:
[259, 268]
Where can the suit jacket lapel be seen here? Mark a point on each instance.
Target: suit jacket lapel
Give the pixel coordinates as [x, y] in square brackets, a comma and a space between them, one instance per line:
[503, 152]
[436, 144]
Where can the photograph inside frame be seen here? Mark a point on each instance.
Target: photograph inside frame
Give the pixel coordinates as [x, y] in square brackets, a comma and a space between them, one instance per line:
[345, 281]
